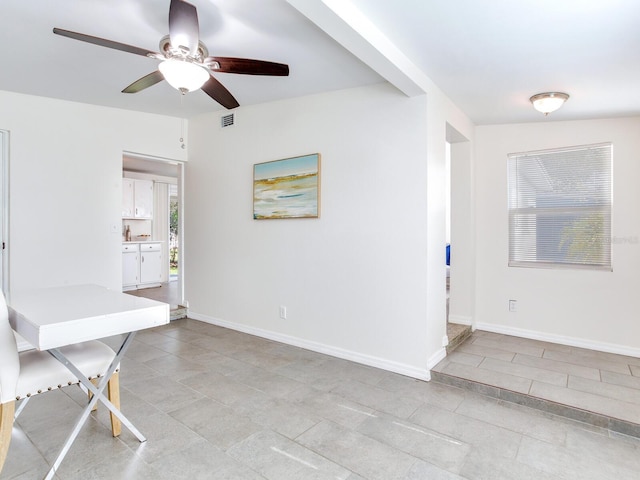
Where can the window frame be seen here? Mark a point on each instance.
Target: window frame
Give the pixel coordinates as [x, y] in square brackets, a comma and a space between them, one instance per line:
[555, 212]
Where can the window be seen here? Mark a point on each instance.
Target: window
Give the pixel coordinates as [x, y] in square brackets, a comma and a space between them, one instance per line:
[560, 208]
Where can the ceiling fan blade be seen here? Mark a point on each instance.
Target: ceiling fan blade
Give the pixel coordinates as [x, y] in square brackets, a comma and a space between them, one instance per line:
[144, 82]
[248, 66]
[184, 30]
[219, 93]
[104, 42]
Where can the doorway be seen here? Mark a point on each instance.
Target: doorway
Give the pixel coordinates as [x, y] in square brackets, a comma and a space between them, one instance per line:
[174, 233]
[447, 166]
[165, 226]
[4, 212]
[460, 239]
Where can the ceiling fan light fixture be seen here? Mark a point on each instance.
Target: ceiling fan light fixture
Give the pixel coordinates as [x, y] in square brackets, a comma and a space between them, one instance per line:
[185, 61]
[183, 75]
[549, 101]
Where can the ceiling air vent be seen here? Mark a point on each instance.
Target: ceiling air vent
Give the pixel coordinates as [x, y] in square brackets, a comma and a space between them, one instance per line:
[226, 120]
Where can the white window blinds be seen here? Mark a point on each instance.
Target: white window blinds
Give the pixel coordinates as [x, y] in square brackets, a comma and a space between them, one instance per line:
[560, 207]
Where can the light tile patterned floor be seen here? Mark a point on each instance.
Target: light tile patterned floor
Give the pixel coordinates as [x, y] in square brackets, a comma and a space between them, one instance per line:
[166, 292]
[218, 404]
[597, 385]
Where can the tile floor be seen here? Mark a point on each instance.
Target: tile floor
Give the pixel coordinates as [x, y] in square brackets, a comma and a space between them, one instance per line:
[167, 293]
[219, 404]
[596, 387]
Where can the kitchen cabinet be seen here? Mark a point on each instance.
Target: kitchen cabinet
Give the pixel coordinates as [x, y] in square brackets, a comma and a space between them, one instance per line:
[130, 265]
[127, 198]
[137, 198]
[150, 263]
[141, 265]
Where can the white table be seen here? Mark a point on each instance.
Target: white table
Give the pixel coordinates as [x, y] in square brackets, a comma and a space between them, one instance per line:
[51, 318]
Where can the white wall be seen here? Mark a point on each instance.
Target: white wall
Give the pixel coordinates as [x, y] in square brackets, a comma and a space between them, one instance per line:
[446, 123]
[588, 308]
[352, 281]
[65, 186]
[462, 288]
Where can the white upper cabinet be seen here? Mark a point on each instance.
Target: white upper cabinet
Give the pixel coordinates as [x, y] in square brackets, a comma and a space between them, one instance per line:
[127, 198]
[137, 198]
[143, 199]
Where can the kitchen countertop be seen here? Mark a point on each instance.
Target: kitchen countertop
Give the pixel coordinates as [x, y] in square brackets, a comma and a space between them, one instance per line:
[143, 241]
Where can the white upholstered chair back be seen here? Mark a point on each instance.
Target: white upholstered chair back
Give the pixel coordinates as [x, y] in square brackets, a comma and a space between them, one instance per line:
[9, 359]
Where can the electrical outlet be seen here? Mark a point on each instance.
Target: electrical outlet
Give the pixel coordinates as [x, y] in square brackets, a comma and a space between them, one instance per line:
[513, 305]
[283, 312]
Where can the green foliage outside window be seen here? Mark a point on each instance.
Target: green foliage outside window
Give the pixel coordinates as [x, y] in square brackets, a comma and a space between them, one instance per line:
[584, 239]
[173, 237]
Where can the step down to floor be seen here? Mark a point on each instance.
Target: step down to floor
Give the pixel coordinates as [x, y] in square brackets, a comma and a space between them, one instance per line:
[177, 313]
[456, 334]
[596, 419]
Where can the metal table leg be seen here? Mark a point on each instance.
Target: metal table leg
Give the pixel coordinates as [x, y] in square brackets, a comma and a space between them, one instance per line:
[23, 403]
[98, 394]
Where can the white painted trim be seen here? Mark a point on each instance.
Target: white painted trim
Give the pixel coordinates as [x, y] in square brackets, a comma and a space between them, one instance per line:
[348, 26]
[155, 158]
[560, 339]
[182, 238]
[391, 366]
[461, 320]
[436, 358]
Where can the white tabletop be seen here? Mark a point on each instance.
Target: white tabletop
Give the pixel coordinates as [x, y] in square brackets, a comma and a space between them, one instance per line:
[55, 317]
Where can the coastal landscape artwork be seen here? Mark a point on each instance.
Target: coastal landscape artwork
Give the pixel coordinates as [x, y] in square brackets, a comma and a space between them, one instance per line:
[288, 188]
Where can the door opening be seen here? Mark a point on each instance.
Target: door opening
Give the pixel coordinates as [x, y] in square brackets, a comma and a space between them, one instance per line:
[460, 254]
[4, 212]
[174, 233]
[162, 228]
[448, 221]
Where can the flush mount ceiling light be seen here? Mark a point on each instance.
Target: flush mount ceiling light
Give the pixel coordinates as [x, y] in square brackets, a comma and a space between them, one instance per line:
[549, 101]
[183, 75]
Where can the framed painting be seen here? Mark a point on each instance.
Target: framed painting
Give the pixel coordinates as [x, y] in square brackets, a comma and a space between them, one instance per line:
[287, 188]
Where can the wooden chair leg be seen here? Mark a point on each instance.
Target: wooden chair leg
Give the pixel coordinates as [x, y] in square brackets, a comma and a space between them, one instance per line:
[95, 383]
[7, 411]
[114, 397]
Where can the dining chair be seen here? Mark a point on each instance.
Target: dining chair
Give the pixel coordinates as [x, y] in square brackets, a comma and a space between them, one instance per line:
[24, 374]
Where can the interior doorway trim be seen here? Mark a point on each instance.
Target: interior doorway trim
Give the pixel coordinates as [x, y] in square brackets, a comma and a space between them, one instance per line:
[4, 209]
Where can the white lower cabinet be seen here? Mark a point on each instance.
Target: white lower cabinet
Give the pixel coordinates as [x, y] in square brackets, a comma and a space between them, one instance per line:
[130, 265]
[150, 263]
[141, 265]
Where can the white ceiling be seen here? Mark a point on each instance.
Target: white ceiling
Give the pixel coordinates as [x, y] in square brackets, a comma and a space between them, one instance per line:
[488, 56]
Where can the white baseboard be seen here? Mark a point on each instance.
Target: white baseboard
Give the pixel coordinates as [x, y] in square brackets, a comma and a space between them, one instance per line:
[561, 339]
[436, 358]
[384, 364]
[460, 319]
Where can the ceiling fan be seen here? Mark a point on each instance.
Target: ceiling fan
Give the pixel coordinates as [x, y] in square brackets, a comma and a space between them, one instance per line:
[185, 61]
